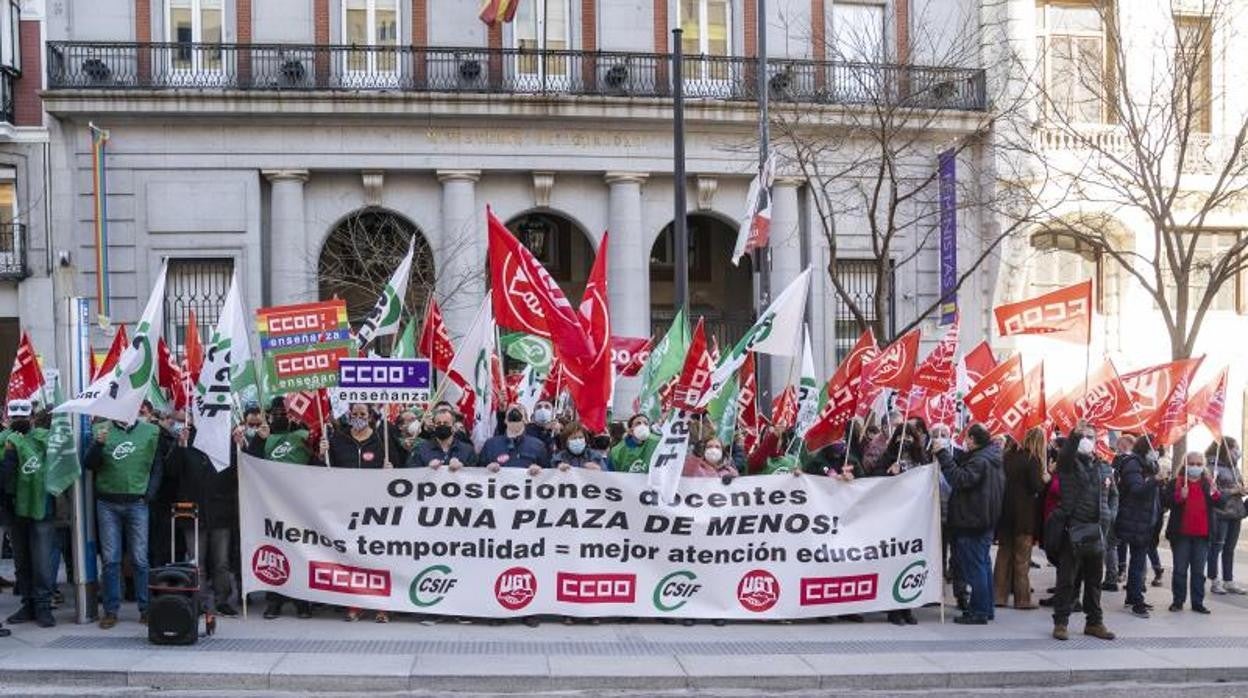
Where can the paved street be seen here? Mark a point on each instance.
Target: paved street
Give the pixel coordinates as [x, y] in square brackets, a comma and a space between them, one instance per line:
[290, 655]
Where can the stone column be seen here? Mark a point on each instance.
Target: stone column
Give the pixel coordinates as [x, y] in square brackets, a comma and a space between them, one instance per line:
[786, 264]
[461, 250]
[292, 262]
[628, 272]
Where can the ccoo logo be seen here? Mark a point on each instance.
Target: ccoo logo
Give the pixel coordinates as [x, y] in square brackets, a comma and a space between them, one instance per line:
[270, 565]
[758, 591]
[515, 588]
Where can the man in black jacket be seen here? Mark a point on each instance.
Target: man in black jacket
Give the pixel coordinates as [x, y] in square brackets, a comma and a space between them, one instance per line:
[1088, 501]
[215, 494]
[978, 483]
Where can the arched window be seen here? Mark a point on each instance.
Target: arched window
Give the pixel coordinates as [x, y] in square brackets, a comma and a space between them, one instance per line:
[361, 254]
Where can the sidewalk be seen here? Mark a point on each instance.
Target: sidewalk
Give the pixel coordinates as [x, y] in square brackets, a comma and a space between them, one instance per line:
[327, 654]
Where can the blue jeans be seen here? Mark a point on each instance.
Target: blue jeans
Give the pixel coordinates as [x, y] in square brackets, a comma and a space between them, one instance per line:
[1225, 537]
[1137, 555]
[970, 554]
[33, 542]
[112, 517]
[1189, 561]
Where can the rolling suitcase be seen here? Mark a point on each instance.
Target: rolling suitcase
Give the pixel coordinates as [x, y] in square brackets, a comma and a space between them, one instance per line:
[174, 605]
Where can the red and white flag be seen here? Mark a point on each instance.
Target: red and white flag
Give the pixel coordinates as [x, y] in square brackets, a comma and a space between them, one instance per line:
[26, 378]
[435, 339]
[115, 350]
[983, 395]
[1105, 399]
[310, 408]
[695, 375]
[629, 354]
[755, 229]
[842, 395]
[590, 380]
[1207, 406]
[939, 371]
[978, 362]
[1151, 390]
[747, 405]
[784, 408]
[1065, 313]
[933, 408]
[1019, 407]
[893, 366]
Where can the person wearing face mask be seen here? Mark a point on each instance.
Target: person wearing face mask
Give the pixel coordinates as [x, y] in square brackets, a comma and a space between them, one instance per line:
[1116, 550]
[1228, 516]
[632, 453]
[708, 459]
[543, 426]
[1138, 510]
[577, 451]
[360, 445]
[32, 534]
[1192, 517]
[409, 431]
[514, 448]
[443, 449]
[978, 483]
[1076, 531]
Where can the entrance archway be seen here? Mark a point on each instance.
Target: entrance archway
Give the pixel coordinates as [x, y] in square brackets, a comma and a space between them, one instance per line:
[718, 291]
[560, 244]
[361, 254]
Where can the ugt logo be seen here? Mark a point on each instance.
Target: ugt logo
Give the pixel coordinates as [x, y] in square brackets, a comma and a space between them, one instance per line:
[758, 591]
[515, 588]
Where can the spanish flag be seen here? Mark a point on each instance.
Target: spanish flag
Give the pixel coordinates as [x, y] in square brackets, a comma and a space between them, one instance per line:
[495, 11]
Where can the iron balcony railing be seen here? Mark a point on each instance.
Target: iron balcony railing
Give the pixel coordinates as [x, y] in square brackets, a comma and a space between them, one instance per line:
[294, 67]
[13, 251]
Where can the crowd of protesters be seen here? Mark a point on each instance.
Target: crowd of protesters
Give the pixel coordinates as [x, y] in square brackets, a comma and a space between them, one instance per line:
[1098, 521]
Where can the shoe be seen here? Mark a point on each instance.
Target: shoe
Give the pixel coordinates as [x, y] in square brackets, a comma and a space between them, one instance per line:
[143, 618]
[1028, 607]
[25, 614]
[44, 618]
[57, 598]
[382, 617]
[108, 622]
[1139, 611]
[1233, 588]
[1201, 610]
[908, 616]
[1109, 586]
[1216, 588]
[964, 604]
[970, 620]
[1098, 631]
[303, 610]
[353, 614]
[5, 632]
[1060, 633]
[6, 583]
[226, 610]
[1176, 607]
[719, 622]
[273, 610]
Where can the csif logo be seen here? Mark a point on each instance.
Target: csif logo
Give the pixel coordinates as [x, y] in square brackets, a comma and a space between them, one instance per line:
[515, 588]
[123, 450]
[31, 466]
[758, 591]
[431, 585]
[270, 565]
[910, 583]
[283, 449]
[675, 590]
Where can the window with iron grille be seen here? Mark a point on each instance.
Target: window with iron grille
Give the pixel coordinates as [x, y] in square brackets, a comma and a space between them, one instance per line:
[857, 276]
[198, 285]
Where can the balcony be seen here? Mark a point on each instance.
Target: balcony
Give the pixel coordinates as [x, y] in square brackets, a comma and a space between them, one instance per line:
[13, 251]
[104, 66]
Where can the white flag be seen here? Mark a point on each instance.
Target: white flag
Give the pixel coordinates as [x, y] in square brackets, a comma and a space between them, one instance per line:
[755, 228]
[807, 389]
[383, 319]
[529, 390]
[119, 394]
[471, 369]
[668, 460]
[226, 355]
[778, 331]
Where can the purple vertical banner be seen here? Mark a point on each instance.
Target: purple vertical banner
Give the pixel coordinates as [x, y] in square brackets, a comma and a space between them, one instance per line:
[948, 177]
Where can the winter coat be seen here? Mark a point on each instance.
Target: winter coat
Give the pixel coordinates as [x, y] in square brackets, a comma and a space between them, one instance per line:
[1177, 505]
[1138, 507]
[195, 479]
[346, 452]
[1023, 487]
[978, 482]
[1088, 493]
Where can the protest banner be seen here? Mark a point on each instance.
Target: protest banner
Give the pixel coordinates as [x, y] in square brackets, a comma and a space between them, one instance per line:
[302, 344]
[587, 543]
[377, 380]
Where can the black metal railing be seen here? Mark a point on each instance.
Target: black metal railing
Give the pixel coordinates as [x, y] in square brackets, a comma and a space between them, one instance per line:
[13, 251]
[163, 66]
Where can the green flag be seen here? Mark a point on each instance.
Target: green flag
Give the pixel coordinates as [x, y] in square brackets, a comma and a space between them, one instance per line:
[666, 359]
[723, 411]
[405, 348]
[529, 349]
[62, 458]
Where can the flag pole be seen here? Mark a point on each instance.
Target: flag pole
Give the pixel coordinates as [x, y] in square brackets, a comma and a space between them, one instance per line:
[762, 258]
[680, 231]
[320, 417]
[238, 461]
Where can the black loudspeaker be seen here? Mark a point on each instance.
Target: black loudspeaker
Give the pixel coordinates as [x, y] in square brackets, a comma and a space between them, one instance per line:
[173, 610]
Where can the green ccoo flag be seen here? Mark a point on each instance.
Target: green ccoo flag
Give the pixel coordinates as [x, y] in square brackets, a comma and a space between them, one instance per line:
[666, 359]
[62, 458]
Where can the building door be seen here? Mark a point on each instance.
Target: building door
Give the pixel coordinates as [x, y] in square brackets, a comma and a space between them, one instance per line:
[371, 29]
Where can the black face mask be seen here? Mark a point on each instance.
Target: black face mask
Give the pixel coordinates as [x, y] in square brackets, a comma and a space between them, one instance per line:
[21, 426]
[442, 432]
[515, 416]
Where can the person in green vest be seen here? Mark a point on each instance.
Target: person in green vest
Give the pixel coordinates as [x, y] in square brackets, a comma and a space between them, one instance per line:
[33, 532]
[128, 462]
[282, 440]
[632, 453]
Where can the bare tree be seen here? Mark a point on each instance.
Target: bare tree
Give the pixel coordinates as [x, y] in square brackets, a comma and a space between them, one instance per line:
[876, 160]
[1167, 149]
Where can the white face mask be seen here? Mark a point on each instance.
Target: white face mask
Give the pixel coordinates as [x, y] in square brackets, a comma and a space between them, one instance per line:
[940, 444]
[1086, 446]
[541, 415]
[714, 455]
[641, 432]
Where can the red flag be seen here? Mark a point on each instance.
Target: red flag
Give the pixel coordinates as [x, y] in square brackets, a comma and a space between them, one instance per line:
[933, 408]
[629, 354]
[842, 395]
[747, 406]
[25, 379]
[1151, 390]
[553, 385]
[893, 367]
[1065, 313]
[435, 340]
[1105, 398]
[120, 342]
[1206, 406]
[978, 363]
[695, 375]
[939, 371]
[498, 381]
[983, 395]
[310, 408]
[589, 379]
[1019, 406]
[169, 375]
[193, 348]
[498, 11]
[784, 408]
[1062, 412]
[527, 298]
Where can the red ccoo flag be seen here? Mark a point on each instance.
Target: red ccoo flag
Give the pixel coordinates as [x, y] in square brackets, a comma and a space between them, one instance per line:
[784, 408]
[893, 367]
[695, 375]
[629, 354]
[747, 405]
[939, 371]
[435, 340]
[1001, 379]
[310, 408]
[120, 342]
[1019, 407]
[978, 362]
[25, 379]
[1206, 407]
[1065, 313]
[590, 379]
[1105, 399]
[842, 395]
